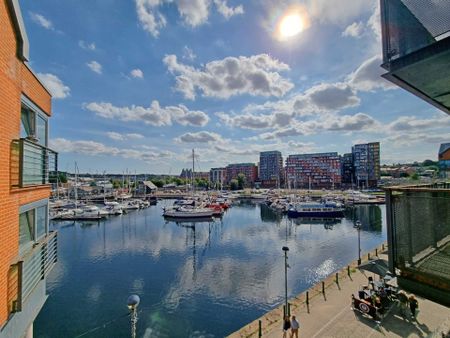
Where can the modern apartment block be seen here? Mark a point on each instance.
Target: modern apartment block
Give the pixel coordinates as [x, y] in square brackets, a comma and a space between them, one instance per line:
[366, 164]
[347, 169]
[217, 177]
[28, 250]
[321, 170]
[249, 170]
[444, 160]
[270, 168]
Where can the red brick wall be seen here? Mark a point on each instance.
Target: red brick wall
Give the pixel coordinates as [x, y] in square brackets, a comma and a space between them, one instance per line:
[15, 79]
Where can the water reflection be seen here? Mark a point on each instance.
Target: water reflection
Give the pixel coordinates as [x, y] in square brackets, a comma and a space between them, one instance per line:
[188, 272]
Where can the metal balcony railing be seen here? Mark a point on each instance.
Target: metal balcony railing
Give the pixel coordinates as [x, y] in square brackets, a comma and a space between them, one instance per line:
[409, 25]
[30, 269]
[32, 164]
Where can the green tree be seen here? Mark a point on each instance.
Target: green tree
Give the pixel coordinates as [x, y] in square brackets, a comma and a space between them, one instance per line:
[158, 182]
[241, 181]
[414, 176]
[116, 184]
[234, 185]
[428, 163]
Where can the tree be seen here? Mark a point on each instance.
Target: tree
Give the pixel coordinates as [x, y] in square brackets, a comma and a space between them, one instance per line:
[116, 184]
[428, 163]
[234, 185]
[241, 181]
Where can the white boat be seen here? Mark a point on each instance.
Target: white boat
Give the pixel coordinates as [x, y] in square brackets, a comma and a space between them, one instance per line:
[113, 208]
[184, 212]
[313, 209]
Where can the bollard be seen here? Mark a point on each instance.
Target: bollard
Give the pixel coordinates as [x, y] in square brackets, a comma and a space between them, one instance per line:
[348, 270]
[289, 309]
[376, 252]
[382, 246]
[323, 287]
[368, 256]
[307, 297]
[259, 329]
[337, 278]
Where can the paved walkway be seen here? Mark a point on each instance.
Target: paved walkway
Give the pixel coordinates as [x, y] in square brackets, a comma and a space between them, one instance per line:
[331, 315]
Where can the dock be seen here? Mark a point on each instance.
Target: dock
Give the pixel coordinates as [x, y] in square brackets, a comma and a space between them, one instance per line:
[329, 313]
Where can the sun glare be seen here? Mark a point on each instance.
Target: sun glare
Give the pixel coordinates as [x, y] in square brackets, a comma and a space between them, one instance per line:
[291, 25]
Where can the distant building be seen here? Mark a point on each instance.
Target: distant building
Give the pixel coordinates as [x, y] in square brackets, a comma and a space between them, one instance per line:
[444, 160]
[270, 168]
[217, 177]
[321, 170]
[366, 164]
[249, 170]
[347, 169]
[204, 175]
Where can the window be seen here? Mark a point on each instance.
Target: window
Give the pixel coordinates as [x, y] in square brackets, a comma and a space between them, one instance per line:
[34, 124]
[33, 223]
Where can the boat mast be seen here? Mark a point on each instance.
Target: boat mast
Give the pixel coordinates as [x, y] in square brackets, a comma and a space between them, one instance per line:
[193, 171]
[76, 187]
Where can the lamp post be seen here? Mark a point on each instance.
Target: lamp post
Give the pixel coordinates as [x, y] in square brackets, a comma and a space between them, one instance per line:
[285, 249]
[358, 227]
[132, 303]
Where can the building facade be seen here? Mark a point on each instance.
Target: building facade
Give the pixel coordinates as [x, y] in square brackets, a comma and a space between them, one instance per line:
[444, 160]
[28, 250]
[217, 177]
[321, 170]
[347, 169]
[271, 169]
[366, 164]
[249, 170]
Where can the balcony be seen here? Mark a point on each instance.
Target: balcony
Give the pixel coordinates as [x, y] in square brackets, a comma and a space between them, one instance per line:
[416, 48]
[418, 219]
[25, 275]
[32, 164]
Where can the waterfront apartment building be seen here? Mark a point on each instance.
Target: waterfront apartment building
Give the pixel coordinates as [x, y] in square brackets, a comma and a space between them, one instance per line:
[366, 164]
[444, 160]
[28, 250]
[347, 169]
[249, 170]
[315, 171]
[270, 169]
[217, 177]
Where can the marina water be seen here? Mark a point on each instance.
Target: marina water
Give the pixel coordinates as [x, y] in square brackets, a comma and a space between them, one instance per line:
[203, 279]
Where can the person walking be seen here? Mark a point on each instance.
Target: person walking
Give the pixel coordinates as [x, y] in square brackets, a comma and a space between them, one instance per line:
[294, 327]
[403, 300]
[413, 305]
[286, 326]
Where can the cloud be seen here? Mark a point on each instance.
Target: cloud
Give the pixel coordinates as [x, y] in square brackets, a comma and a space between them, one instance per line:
[54, 85]
[86, 45]
[123, 137]
[152, 21]
[332, 96]
[154, 115]
[357, 122]
[226, 11]
[192, 12]
[412, 123]
[339, 13]
[354, 30]
[92, 148]
[188, 54]
[301, 147]
[200, 137]
[137, 73]
[246, 121]
[41, 21]
[368, 76]
[95, 67]
[255, 75]
[406, 139]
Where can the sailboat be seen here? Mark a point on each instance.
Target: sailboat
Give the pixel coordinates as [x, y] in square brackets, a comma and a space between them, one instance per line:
[185, 211]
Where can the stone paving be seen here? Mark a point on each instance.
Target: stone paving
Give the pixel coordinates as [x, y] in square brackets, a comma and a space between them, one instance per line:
[330, 314]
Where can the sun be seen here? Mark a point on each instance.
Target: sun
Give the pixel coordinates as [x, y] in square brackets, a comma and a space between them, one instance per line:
[291, 25]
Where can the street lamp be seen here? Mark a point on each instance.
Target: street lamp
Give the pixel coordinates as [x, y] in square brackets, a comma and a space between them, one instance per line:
[285, 249]
[132, 303]
[358, 227]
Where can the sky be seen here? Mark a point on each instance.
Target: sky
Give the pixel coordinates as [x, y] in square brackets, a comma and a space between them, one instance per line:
[138, 84]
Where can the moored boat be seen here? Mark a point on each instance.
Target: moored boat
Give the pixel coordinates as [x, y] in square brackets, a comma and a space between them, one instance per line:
[315, 209]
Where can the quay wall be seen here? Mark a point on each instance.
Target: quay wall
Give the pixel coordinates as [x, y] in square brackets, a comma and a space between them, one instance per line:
[275, 316]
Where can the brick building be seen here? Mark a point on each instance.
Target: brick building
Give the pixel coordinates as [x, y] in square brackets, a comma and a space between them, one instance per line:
[321, 170]
[444, 160]
[27, 247]
[249, 170]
